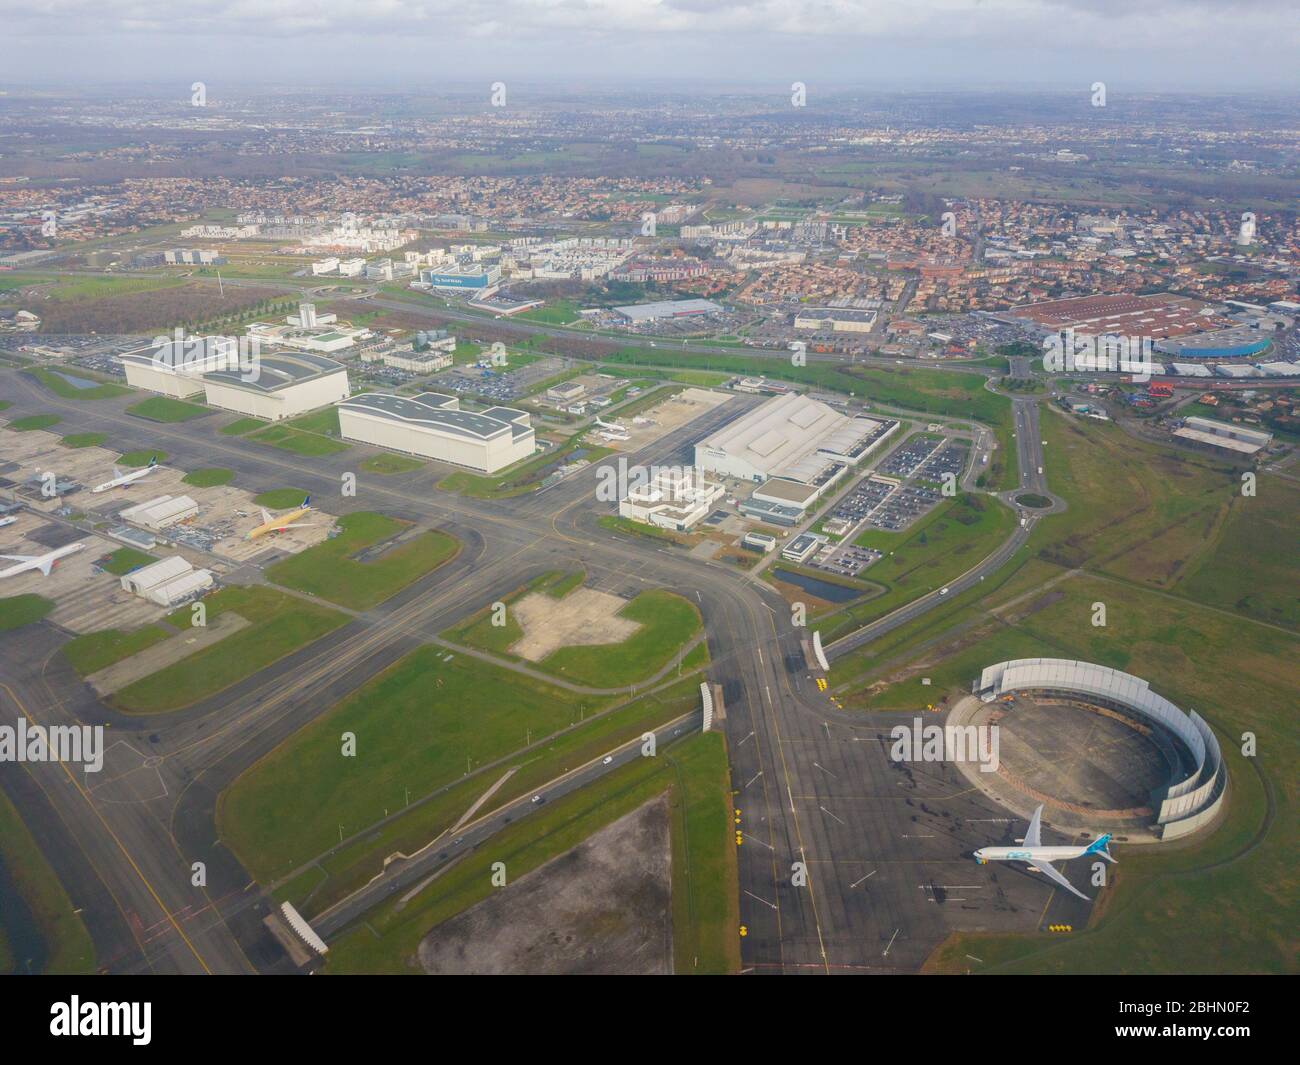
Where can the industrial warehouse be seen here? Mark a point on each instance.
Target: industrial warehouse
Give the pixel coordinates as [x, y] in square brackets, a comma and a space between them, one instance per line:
[795, 447]
[285, 384]
[432, 425]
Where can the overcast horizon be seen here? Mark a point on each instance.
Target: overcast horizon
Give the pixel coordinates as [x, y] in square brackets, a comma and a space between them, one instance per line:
[1167, 45]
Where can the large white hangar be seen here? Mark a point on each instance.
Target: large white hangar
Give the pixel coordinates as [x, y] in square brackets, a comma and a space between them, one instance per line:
[432, 425]
[1190, 792]
[791, 440]
[176, 367]
[284, 385]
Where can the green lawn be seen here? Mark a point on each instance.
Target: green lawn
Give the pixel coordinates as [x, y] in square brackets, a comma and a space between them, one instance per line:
[93, 651]
[77, 440]
[125, 559]
[329, 570]
[136, 459]
[704, 883]
[209, 477]
[35, 421]
[419, 725]
[667, 623]
[19, 610]
[388, 464]
[324, 421]
[65, 389]
[67, 944]
[350, 866]
[311, 445]
[166, 409]
[240, 426]
[279, 625]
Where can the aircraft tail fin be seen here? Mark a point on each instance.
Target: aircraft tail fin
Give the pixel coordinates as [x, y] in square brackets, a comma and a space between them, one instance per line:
[306, 502]
[1099, 847]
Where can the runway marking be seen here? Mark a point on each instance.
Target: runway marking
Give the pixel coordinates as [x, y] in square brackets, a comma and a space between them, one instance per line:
[891, 943]
[930, 836]
[757, 899]
[755, 839]
[791, 798]
[825, 770]
[829, 814]
[746, 740]
[753, 778]
[867, 877]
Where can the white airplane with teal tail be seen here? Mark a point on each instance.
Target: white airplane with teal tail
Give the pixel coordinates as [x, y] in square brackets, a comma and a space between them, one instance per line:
[1033, 853]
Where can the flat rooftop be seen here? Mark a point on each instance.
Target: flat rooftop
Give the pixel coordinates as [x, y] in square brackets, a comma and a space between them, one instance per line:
[438, 413]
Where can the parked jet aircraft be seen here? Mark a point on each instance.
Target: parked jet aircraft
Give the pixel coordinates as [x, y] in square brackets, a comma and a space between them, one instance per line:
[44, 562]
[122, 480]
[284, 521]
[1033, 853]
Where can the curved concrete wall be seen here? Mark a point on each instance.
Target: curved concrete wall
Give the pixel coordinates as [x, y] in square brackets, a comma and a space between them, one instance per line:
[1189, 803]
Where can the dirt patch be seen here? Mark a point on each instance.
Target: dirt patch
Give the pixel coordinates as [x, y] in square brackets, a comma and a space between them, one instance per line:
[602, 907]
[584, 616]
[161, 655]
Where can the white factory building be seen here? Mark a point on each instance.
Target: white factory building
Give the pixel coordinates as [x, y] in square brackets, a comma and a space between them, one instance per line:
[797, 445]
[674, 497]
[175, 367]
[432, 425]
[286, 384]
[160, 512]
[167, 581]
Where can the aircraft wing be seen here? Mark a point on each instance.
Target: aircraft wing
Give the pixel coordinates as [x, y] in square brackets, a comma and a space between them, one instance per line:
[1034, 836]
[296, 525]
[266, 516]
[46, 566]
[1048, 869]
[20, 558]
[116, 472]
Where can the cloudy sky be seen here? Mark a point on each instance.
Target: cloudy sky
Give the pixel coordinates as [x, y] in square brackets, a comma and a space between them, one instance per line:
[1145, 44]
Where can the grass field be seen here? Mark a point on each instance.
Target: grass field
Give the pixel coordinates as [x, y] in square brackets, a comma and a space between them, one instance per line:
[278, 625]
[93, 651]
[35, 421]
[65, 389]
[19, 610]
[388, 464]
[136, 459]
[66, 943]
[166, 409]
[419, 725]
[704, 891]
[520, 478]
[668, 622]
[77, 440]
[125, 559]
[311, 445]
[324, 422]
[329, 570]
[349, 866]
[240, 426]
[209, 477]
